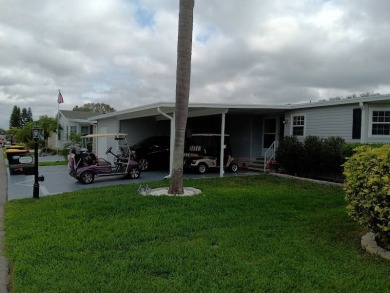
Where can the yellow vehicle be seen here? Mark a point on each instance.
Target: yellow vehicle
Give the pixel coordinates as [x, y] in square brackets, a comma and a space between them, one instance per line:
[20, 161]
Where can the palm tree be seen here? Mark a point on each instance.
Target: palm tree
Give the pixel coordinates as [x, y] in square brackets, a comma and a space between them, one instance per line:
[183, 78]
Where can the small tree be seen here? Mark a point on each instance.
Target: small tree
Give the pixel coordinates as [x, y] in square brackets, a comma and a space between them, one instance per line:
[25, 117]
[24, 135]
[95, 107]
[15, 119]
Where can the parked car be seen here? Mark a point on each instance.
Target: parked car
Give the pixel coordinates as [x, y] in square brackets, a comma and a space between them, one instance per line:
[204, 153]
[154, 152]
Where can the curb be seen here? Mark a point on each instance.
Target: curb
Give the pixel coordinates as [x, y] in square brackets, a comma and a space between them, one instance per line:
[369, 244]
[306, 179]
[4, 281]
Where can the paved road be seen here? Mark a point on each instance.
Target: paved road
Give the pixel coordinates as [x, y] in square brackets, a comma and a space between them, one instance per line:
[57, 180]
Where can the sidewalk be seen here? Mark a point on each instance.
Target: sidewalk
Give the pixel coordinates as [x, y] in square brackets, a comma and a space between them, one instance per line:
[3, 200]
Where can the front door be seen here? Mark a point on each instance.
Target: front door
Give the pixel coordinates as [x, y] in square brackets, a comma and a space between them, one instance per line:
[270, 126]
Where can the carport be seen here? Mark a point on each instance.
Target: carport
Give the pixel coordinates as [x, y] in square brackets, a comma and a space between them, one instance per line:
[159, 118]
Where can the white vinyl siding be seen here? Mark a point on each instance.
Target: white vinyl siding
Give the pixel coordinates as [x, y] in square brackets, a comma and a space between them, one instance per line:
[324, 121]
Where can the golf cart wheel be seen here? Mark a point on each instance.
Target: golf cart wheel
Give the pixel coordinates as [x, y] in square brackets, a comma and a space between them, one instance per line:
[133, 173]
[87, 177]
[202, 168]
[233, 167]
[143, 164]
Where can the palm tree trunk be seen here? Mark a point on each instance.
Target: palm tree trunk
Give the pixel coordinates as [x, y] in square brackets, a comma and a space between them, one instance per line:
[183, 79]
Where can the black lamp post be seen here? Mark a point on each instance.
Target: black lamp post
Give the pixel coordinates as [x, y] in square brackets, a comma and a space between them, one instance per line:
[36, 133]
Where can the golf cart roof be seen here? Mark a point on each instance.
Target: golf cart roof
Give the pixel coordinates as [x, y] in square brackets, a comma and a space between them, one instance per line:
[104, 135]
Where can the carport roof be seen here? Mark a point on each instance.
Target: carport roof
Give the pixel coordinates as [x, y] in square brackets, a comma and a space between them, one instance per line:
[204, 109]
[194, 110]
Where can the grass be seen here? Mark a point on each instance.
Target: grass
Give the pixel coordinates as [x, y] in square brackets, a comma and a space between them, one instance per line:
[55, 163]
[243, 234]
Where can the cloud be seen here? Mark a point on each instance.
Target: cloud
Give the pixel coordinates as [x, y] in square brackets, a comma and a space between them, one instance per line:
[123, 52]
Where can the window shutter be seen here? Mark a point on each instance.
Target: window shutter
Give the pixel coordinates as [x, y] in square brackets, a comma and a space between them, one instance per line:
[356, 123]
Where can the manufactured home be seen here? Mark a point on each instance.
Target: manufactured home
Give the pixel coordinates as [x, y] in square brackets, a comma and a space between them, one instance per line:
[256, 129]
[72, 122]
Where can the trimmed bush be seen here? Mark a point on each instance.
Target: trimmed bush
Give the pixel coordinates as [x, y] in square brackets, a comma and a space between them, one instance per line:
[331, 157]
[312, 155]
[367, 188]
[290, 155]
[348, 149]
[315, 156]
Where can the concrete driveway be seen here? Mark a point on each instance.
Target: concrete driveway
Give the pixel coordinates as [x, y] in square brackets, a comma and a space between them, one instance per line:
[57, 180]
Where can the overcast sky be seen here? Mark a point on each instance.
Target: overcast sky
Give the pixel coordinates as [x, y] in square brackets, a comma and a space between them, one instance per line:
[123, 52]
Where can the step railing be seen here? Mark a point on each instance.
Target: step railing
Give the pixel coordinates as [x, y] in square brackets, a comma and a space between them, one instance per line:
[270, 154]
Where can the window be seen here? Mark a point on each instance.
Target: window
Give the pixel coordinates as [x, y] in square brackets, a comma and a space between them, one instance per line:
[298, 125]
[84, 130]
[380, 123]
[71, 129]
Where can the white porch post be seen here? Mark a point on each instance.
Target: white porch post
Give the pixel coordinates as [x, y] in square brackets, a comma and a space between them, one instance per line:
[222, 154]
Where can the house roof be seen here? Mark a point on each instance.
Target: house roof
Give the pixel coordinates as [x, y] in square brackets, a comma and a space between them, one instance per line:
[194, 110]
[372, 99]
[77, 114]
[203, 109]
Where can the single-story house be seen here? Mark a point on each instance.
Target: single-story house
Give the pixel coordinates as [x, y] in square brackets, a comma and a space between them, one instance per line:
[256, 129]
[72, 122]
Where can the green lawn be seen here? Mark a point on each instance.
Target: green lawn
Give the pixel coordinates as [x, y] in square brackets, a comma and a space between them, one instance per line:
[243, 234]
[55, 163]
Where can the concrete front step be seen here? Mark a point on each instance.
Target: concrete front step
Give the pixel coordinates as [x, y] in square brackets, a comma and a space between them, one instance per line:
[256, 165]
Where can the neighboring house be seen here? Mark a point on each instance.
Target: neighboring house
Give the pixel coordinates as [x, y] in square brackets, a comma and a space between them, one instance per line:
[73, 122]
[253, 129]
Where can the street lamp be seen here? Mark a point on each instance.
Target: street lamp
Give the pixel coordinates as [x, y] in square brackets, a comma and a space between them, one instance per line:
[37, 133]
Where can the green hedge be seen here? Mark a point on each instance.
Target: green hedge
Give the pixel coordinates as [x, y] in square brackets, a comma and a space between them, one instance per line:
[367, 188]
[311, 158]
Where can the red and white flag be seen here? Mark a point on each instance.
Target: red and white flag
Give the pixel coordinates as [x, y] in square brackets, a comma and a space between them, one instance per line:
[60, 99]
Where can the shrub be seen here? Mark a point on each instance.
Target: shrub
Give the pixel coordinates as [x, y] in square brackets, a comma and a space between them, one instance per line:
[65, 150]
[331, 157]
[290, 154]
[312, 154]
[348, 149]
[367, 188]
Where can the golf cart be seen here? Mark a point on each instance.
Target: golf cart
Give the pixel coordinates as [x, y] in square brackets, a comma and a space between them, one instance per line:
[205, 153]
[85, 166]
